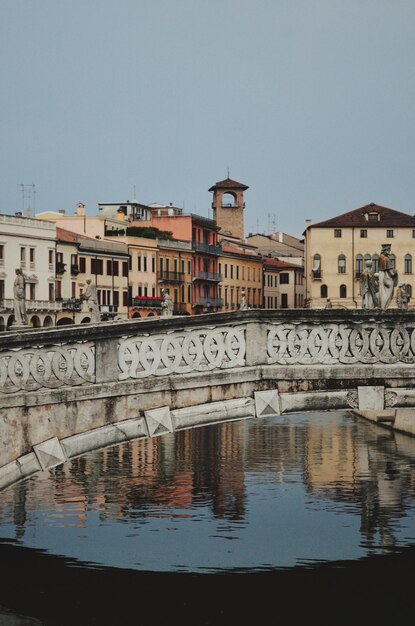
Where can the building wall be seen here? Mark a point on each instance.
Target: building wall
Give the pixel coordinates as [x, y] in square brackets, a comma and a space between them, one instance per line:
[324, 242]
[239, 274]
[29, 245]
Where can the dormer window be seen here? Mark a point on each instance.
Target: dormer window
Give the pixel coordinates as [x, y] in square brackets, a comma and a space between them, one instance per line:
[373, 216]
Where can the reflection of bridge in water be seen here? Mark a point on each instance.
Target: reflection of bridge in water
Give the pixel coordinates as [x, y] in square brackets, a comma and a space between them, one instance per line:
[65, 391]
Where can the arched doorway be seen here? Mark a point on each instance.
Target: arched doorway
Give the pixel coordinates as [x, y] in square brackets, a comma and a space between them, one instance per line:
[48, 321]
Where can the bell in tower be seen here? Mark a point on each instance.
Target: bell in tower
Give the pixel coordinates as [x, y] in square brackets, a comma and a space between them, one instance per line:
[228, 207]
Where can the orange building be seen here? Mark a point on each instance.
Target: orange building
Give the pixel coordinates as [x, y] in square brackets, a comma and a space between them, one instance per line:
[241, 269]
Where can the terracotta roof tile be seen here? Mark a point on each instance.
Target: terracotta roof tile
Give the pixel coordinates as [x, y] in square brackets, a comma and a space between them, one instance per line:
[357, 217]
[228, 183]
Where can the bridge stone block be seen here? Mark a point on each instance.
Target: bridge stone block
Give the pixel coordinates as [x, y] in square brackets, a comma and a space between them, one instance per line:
[104, 436]
[159, 421]
[371, 398]
[50, 453]
[267, 403]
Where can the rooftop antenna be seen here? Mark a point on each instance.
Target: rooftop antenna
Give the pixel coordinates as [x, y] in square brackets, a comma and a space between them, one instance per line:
[34, 198]
[228, 172]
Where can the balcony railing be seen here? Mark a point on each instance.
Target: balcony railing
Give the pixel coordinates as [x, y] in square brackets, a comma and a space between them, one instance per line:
[212, 276]
[208, 302]
[205, 247]
[152, 302]
[7, 304]
[171, 277]
[74, 269]
[60, 268]
[71, 304]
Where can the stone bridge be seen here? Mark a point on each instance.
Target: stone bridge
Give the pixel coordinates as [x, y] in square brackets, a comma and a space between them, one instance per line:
[68, 390]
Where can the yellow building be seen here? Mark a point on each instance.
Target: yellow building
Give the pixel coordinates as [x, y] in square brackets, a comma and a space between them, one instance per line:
[240, 267]
[337, 249]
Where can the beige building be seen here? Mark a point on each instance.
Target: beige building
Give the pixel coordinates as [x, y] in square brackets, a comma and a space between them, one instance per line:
[30, 245]
[336, 251]
[283, 284]
[279, 245]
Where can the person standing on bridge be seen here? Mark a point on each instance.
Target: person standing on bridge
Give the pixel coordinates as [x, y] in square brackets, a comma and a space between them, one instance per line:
[90, 295]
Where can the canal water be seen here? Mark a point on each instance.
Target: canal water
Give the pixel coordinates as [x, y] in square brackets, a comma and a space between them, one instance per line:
[294, 515]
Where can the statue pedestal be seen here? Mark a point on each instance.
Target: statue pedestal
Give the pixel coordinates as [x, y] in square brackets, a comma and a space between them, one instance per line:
[19, 327]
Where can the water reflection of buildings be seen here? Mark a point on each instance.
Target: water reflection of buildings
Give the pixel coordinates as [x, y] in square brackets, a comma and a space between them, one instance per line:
[362, 467]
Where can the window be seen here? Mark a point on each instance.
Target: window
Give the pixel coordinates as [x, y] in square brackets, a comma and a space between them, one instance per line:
[337, 232]
[32, 291]
[51, 292]
[413, 234]
[22, 257]
[50, 259]
[316, 266]
[1, 254]
[97, 266]
[375, 262]
[82, 265]
[284, 278]
[237, 272]
[153, 264]
[359, 265]
[284, 301]
[407, 264]
[189, 268]
[226, 270]
[125, 269]
[145, 262]
[341, 264]
[343, 291]
[373, 217]
[116, 298]
[389, 234]
[323, 291]
[363, 233]
[231, 277]
[115, 269]
[31, 256]
[125, 298]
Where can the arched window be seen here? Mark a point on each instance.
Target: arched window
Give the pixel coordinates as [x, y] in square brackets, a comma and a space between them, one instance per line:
[359, 264]
[323, 291]
[228, 199]
[409, 290]
[367, 257]
[393, 260]
[375, 261]
[316, 266]
[407, 264]
[343, 291]
[341, 264]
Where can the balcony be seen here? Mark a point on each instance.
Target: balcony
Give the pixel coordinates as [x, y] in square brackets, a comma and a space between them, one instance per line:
[74, 269]
[209, 276]
[171, 277]
[60, 268]
[316, 274]
[148, 302]
[206, 248]
[7, 305]
[208, 302]
[71, 304]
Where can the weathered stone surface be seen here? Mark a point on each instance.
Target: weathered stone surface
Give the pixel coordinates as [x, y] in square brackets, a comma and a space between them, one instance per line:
[371, 398]
[159, 421]
[213, 412]
[267, 403]
[50, 453]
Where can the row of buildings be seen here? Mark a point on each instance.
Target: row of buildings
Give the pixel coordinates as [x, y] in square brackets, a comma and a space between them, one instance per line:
[133, 251]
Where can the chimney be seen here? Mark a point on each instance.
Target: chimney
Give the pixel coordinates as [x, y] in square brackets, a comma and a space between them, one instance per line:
[80, 209]
[308, 223]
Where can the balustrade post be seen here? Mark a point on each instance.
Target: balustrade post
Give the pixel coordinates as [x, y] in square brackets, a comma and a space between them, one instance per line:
[106, 360]
[256, 344]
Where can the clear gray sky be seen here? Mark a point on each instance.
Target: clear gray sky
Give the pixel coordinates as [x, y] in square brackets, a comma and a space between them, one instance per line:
[309, 102]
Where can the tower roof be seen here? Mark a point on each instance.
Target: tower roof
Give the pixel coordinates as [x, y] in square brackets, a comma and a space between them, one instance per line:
[228, 183]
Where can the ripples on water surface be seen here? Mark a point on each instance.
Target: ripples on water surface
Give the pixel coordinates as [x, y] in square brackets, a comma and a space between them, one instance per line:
[253, 494]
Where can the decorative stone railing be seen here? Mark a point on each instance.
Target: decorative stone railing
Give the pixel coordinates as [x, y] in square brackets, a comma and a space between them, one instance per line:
[116, 352]
[66, 390]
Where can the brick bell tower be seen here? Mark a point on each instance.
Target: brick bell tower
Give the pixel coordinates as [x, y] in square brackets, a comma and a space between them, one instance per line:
[228, 207]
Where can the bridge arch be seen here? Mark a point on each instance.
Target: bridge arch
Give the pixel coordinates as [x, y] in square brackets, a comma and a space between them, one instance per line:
[143, 377]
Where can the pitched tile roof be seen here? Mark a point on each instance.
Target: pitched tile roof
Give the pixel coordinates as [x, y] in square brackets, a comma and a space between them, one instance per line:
[358, 217]
[228, 183]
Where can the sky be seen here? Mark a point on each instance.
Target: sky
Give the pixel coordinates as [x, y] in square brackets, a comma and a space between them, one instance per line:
[311, 103]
